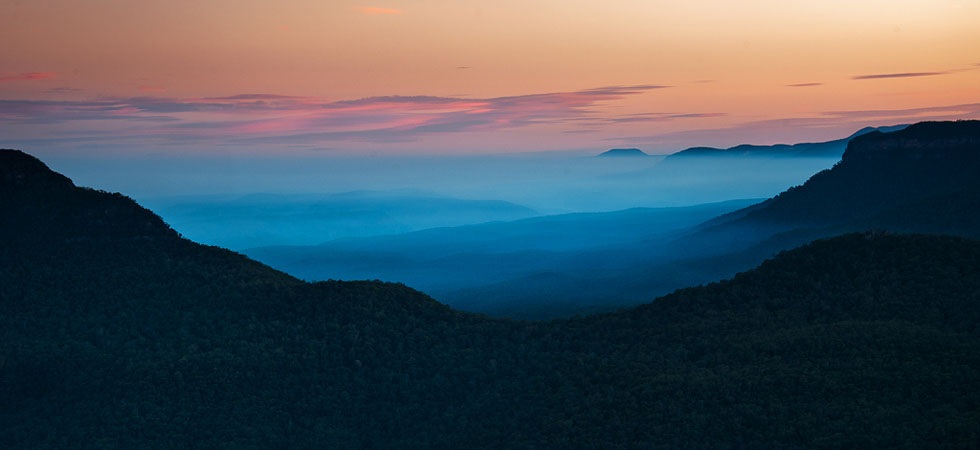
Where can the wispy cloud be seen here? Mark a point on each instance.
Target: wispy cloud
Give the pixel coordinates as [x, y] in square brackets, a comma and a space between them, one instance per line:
[281, 119]
[370, 10]
[897, 75]
[804, 84]
[26, 76]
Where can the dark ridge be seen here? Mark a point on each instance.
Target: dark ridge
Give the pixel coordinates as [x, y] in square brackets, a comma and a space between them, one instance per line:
[867, 340]
[810, 149]
[18, 171]
[907, 192]
[921, 179]
[883, 170]
[924, 140]
[623, 152]
[39, 204]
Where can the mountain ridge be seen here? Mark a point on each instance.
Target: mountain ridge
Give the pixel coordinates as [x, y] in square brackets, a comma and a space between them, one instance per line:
[904, 191]
[113, 342]
[924, 159]
[812, 149]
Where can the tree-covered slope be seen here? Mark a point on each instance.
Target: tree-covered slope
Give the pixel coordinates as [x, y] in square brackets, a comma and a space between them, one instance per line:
[881, 171]
[919, 179]
[116, 333]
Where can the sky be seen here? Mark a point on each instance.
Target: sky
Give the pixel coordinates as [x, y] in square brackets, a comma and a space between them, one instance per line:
[295, 77]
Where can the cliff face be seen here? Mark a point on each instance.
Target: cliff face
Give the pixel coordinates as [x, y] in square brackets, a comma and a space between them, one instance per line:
[879, 171]
[924, 141]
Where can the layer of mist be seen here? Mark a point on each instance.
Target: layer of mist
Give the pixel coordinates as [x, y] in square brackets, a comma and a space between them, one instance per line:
[537, 235]
[548, 183]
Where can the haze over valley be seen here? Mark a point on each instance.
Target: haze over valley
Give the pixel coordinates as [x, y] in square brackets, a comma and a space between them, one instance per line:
[470, 229]
[102, 300]
[520, 224]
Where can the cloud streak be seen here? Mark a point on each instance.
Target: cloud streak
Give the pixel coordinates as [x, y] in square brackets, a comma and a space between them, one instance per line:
[270, 119]
[804, 85]
[879, 76]
[26, 76]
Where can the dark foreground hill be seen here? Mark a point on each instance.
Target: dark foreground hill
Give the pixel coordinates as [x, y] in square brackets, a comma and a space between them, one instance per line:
[117, 333]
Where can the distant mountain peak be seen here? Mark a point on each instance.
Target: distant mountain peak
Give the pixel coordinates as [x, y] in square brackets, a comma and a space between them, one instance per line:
[884, 129]
[806, 149]
[623, 152]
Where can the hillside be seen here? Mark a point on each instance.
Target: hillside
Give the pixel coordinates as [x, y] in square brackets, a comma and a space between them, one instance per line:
[919, 179]
[117, 333]
[880, 171]
[832, 148]
[897, 188]
[745, 171]
[742, 171]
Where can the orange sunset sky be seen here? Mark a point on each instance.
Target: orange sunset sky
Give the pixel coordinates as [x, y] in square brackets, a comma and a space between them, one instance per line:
[414, 76]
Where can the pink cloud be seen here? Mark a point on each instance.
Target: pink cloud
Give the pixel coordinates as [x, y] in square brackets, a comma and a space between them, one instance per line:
[277, 119]
[370, 10]
[26, 76]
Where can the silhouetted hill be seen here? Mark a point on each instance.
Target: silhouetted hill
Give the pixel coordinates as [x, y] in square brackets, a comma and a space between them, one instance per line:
[623, 152]
[117, 333]
[881, 171]
[745, 171]
[922, 180]
[811, 149]
[39, 203]
[919, 179]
